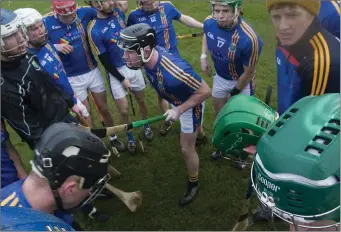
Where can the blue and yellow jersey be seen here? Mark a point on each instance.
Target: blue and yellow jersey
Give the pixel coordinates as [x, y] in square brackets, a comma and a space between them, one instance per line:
[329, 16]
[81, 60]
[173, 78]
[12, 195]
[51, 63]
[162, 22]
[103, 35]
[233, 49]
[310, 67]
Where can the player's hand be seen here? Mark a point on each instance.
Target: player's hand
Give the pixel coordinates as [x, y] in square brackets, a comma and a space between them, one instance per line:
[173, 114]
[126, 84]
[76, 110]
[206, 67]
[64, 48]
[82, 109]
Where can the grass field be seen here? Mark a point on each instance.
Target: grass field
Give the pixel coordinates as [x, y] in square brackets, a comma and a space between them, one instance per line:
[160, 173]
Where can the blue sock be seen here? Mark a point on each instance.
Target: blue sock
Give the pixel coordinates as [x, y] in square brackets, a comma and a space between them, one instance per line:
[130, 136]
[146, 126]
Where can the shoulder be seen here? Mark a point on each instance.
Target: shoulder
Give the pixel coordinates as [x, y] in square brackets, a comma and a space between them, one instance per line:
[248, 34]
[209, 21]
[167, 4]
[93, 27]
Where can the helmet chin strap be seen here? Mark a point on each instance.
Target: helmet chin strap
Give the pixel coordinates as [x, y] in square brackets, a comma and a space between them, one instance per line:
[234, 23]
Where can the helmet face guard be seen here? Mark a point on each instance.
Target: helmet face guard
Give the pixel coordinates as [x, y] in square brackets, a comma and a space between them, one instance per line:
[239, 124]
[10, 31]
[296, 175]
[234, 4]
[65, 10]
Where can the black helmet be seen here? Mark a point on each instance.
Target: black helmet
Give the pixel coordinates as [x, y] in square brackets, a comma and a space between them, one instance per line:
[137, 37]
[65, 150]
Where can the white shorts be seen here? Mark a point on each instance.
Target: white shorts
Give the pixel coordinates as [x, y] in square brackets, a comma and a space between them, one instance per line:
[192, 118]
[134, 76]
[221, 87]
[92, 81]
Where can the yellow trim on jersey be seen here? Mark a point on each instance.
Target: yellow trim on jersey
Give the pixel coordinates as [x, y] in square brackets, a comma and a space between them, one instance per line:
[208, 17]
[8, 199]
[84, 43]
[14, 202]
[92, 43]
[188, 78]
[337, 7]
[254, 40]
[321, 64]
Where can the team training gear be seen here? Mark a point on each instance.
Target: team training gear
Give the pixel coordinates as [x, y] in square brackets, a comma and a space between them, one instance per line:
[234, 4]
[66, 150]
[136, 38]
[30, 17]
[65, 8]
[241, 123]
[296, 171]
[233, 49]
[162, 22]
[81, 60]
[329, 16]
[26, 219]
[10, 25]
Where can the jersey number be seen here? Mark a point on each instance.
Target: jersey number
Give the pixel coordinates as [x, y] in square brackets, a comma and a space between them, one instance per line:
[220, 43]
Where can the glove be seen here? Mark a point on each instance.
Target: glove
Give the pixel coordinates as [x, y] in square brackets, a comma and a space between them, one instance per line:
[82, 108]
[172, 114]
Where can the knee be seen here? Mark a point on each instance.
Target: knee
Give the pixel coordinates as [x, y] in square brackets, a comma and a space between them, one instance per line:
[187, 149]
[124, 112]
[103, 108]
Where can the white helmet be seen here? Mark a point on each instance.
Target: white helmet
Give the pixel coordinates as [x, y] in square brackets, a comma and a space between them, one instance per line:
[30, 17]
[10, 25]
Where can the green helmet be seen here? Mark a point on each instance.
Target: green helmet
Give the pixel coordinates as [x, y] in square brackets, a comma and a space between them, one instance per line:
[240, 123]
[296, 171]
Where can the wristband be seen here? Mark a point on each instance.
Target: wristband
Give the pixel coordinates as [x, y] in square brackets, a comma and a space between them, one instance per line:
[203, 56]
[235, 91]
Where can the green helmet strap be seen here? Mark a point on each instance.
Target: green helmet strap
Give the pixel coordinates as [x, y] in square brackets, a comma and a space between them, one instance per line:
[240, 123]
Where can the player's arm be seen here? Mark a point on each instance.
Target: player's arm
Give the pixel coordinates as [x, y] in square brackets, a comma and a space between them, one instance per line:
[313, 74]
[101, 51]
[190, 22]
[184, 19]
[14, 156]
[250, 56]
[200, 95]
[122, 6]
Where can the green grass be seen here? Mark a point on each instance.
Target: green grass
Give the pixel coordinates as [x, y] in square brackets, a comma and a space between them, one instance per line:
[160, 173]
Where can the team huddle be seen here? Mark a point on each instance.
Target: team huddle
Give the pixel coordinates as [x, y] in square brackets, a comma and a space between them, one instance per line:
[50, 74]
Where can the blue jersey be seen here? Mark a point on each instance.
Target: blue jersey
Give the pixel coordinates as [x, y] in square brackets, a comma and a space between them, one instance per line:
[310, 67]
[104, 34]
[81, 59]
[8, 171]
[51, 63]
[231, 50]
[162, 22]
[173, 78]
[329, 16]
[12, 195]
